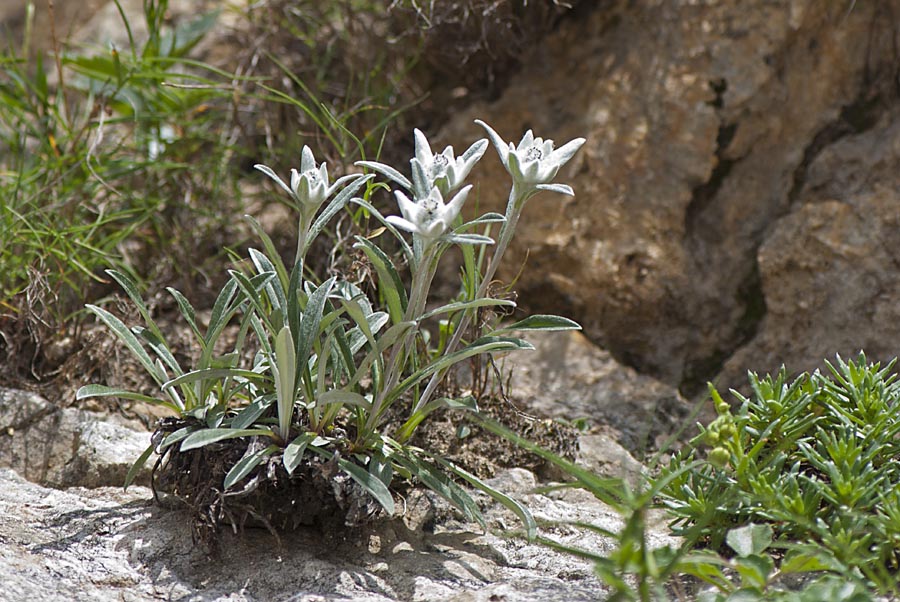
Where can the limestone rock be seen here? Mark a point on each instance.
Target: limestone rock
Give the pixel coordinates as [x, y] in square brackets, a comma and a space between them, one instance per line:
[701, 119]
[65, 447]
[829, 268]
[568, 377]
[106, 544]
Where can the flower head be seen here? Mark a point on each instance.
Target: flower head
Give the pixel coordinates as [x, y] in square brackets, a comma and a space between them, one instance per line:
[428, 218]
[443, 170]
[533, 162]
[309, 185]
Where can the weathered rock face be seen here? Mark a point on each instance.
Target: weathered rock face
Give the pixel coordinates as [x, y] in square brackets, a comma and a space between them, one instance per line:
[566, 377]
[106, 544]
[702, 121]
[65, 447]
[829, 268]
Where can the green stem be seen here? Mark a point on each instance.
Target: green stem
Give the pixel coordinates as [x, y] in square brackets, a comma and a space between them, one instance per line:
[421, 283]
[514, 207]
[302, 235]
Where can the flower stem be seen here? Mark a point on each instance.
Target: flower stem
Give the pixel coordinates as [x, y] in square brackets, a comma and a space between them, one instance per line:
[421, 283]
[514, 205]
[302, 236]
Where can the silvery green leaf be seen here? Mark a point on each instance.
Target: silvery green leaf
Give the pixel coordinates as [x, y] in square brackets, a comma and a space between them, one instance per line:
[204, 374]
[469, 239]
[407, 250]
[487, 218]
[127, 337]
[517, 508]
[472, 304]
[540, 322]
[293, 453]
[271, 251]
[389, 281]
[560, 188]
[205, 436]
[488, 344]
[246, 464]
[103, 391]
[248, 414]
[337, 203]
[284, 370]
[138, 464]
[187, 312]
[344, 398]
[268, 171]
[388, 172]
[370, 482]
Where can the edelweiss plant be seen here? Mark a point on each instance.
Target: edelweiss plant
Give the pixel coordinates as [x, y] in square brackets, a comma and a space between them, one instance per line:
[335, 383]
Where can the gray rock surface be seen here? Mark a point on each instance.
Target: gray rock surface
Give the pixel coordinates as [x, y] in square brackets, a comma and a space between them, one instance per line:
[65, 447]
[569, 378]
[105, 544]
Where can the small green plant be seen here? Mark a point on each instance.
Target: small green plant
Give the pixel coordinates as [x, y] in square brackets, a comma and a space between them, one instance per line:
[812, 465]
[336, 374]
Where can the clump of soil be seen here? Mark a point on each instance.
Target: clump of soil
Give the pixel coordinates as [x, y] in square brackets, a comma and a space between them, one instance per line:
[317, 494]
[482, 453]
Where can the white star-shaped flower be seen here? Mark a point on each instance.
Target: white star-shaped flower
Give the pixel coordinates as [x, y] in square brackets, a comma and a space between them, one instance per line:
[309, 185]
[533, 162]
[430, 217]
[443, 170]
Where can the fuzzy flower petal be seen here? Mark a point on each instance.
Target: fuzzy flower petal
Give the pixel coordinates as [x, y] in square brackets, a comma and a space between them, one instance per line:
[309, 186]
[442, 170]
[533, 161]
[429, 218]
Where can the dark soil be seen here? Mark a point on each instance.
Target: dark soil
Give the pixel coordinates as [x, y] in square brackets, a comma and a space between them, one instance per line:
[317, 494]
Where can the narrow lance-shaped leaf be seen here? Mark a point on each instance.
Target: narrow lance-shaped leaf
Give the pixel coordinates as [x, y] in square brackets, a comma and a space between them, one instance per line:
[293, 453]
[285, 372]
[482, 345]
[270, 249]
[517, 508]
[138, 465]
[206, 436]
[312, 318]
[131, 341]
[104, 391]
[540, 322]
[130, 288]
[387, 171]
[390, 284]
[336, 205]
[246, 464]
[474, 303]
[188, 313]
[368, 481]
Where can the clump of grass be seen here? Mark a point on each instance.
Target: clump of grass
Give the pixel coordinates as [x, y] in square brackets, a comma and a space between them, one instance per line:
[105, 155]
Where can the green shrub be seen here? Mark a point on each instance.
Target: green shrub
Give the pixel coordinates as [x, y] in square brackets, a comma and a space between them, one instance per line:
[813, 462]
